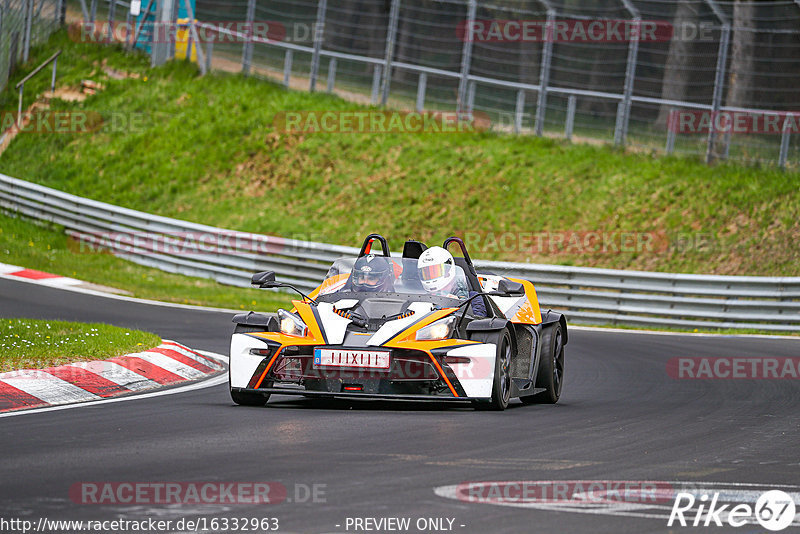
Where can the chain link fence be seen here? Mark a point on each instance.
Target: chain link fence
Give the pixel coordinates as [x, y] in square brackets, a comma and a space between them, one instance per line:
[719, 79]
[24, 23]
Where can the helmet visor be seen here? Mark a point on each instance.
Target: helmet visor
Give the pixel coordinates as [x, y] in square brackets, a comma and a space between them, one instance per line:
[367, 279]
[432, 272]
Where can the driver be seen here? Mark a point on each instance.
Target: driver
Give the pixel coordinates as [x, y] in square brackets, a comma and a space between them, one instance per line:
[372, 274]
[437, 272]
[439, 276]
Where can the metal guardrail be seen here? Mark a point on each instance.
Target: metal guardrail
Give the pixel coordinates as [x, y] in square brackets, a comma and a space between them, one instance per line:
[587, 295]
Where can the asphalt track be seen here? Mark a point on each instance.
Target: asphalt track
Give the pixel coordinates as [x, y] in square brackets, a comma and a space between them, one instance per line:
[621, 417]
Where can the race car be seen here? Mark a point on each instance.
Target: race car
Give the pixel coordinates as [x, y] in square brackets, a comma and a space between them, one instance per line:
[423, 326]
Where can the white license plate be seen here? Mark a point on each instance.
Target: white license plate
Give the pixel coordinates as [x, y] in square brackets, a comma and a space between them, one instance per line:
[372, 359]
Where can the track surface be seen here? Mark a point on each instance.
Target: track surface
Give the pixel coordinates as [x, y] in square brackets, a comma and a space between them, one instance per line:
[620, 417]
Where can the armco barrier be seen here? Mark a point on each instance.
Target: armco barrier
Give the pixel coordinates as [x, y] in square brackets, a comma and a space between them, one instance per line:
[597, 296]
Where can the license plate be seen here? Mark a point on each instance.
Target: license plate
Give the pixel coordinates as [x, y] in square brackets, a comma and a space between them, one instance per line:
[372, 359]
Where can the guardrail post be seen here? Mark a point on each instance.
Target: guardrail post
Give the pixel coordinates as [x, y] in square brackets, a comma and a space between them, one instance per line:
[376, 83]
[719, 84]
[287, 67]
[466, 55]
[569, 124]
[519, 111]
[331, 81]
[544, 72]
[319, 35]
[247, 48]
[672, 129]
[391, 36]
[421, 85]
[784, 143]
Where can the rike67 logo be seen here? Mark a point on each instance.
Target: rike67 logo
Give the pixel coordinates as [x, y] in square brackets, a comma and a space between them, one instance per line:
[774, 510]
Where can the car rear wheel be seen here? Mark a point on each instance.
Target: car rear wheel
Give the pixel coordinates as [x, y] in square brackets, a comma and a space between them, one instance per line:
[501, 387]
[551, 371]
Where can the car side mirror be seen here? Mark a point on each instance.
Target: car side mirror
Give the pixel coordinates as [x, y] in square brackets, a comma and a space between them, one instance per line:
[507, 288]
[264, 279]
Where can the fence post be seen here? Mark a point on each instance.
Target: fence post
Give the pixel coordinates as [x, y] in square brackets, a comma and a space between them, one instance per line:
[719, 76]
[376, 83]
[247, 48]
[623, 117]
[719, 84]
[672, 127]
[466, 55]
[470, 97]
[209, 52]
[26, 36]
[391, 36]
[319, 34]
[569, 125]
[112, 8]
[544, 72]
[421, 85]
[519, 111]
[784, 143]
[287, 67]
[331, 75]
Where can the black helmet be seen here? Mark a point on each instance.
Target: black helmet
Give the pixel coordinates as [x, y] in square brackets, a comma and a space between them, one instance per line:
[372, 273]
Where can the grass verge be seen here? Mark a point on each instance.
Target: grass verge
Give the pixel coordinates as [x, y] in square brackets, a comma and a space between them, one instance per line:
[34, 344]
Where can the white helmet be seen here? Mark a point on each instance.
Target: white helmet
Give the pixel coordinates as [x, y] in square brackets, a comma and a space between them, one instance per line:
[437, 269]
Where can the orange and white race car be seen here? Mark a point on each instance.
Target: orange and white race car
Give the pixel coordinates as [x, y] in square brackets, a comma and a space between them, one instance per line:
[420, 326]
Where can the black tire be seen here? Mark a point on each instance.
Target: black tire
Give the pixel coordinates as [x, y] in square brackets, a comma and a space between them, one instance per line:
[551, 371]
[501, 386]
[244, 398]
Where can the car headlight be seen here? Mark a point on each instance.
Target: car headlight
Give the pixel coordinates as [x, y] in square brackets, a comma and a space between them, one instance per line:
[440, 329]
[292, 325]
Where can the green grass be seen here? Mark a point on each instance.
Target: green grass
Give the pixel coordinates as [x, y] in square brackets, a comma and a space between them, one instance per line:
[207, 152]
[33, 344]
[49, 249]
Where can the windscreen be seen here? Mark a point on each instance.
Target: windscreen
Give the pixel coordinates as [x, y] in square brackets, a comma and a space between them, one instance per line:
[378, 274]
